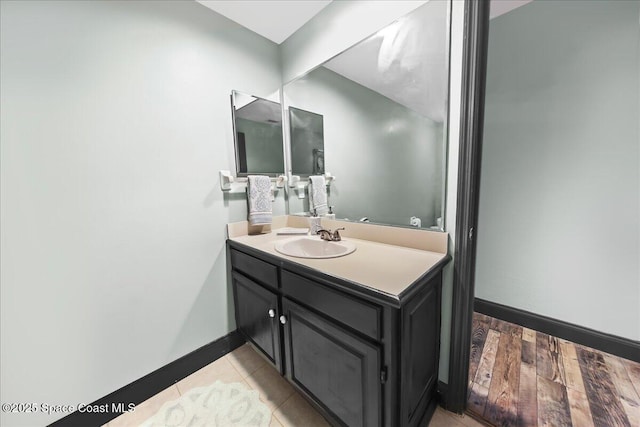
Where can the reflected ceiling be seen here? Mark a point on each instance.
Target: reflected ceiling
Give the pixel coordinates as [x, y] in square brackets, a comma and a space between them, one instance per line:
[260, 111]
[410, 58]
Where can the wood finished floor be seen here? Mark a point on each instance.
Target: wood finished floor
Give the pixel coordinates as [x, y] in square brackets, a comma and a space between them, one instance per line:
[520, 377]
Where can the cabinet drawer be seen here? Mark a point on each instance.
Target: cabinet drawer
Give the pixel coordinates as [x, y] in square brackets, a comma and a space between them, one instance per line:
[351, 311]
[261, 271]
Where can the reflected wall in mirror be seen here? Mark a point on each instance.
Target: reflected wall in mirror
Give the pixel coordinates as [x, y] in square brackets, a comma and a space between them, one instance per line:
[307, 142]
[384, 105]
[257, 129]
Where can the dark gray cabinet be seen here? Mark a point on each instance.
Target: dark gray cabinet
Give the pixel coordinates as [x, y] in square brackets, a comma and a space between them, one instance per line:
[256, 316]
[365, 358]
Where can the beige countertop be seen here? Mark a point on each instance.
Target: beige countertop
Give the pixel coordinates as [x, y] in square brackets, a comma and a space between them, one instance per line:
[388, 268]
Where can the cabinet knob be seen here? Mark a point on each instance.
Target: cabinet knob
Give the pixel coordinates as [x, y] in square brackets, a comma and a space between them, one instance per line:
[272, 313]
[283, 319]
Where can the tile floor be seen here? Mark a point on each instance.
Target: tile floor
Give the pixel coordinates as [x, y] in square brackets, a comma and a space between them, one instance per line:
[245, 366]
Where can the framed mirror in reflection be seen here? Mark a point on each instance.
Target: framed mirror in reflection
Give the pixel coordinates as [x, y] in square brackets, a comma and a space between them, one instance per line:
[307, 142]
[257, 129]
[384, 109]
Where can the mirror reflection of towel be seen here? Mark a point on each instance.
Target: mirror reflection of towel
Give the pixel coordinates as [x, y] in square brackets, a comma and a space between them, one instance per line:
[259, 197]
[318, 195]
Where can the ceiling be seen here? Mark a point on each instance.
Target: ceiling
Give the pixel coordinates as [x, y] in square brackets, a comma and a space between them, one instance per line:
[395, 62]
[405, 61]
[275, 20]
[500, 7]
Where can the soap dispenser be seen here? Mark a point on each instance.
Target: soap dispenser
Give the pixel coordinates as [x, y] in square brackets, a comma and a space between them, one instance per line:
[314, 223]
[330, 215]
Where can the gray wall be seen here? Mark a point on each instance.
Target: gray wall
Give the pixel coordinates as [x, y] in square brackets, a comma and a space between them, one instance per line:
[387, 159]
[558, 231]
[115, 121]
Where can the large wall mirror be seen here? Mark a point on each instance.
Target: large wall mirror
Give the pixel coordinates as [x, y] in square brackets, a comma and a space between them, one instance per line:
[383, 105]
[257, 129]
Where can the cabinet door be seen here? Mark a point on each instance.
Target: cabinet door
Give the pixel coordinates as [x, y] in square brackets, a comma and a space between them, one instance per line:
[336, 368]
[420, 352]
[257, 316]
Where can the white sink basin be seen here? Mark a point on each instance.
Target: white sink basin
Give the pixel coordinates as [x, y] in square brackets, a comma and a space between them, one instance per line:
[314, 247]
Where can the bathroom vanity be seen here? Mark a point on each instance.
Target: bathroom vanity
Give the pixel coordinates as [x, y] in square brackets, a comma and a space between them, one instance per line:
[358, 334]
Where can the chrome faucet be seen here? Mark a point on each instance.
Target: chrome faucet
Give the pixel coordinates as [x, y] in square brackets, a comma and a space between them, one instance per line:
[330, 236]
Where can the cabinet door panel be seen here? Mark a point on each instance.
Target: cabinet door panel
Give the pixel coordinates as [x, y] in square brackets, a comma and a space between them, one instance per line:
[336, 368]
[253, 304]
[420, 351]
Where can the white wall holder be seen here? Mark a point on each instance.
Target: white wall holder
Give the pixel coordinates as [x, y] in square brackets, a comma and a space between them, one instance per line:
[230, 184]
[226, 179]
[329, 178]
[293, 182]
[281, 181]
[299, 186]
